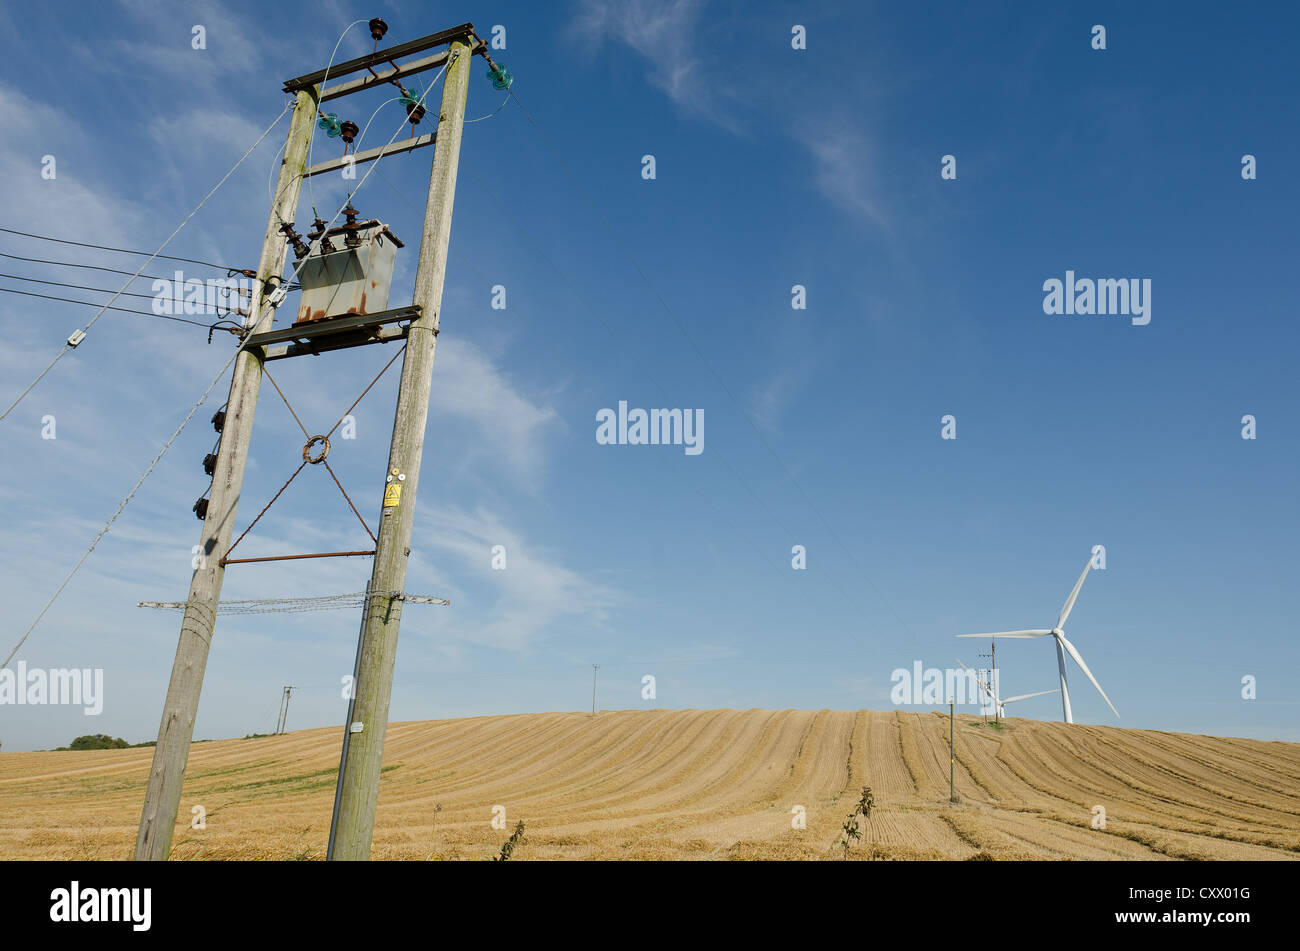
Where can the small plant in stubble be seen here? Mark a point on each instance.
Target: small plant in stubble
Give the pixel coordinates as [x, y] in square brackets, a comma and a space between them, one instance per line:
[508, 849]
[850, 827]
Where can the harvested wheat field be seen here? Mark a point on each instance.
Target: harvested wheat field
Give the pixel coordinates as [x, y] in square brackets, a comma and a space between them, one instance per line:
[690, 784]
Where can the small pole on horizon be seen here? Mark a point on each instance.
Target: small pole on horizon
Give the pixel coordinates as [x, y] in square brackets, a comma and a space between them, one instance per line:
[989, 695]
[997, 716]
[594, 668]
[285, 695]
[952, 753]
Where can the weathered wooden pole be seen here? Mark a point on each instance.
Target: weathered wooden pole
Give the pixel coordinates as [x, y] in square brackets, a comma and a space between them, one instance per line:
[358, 787]
[163, 796]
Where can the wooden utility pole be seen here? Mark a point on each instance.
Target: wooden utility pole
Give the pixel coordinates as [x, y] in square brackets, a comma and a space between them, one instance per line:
[952, 753]
[997, 687]
[283, 719]
[988, 693]
[162, 798]
[358, 789]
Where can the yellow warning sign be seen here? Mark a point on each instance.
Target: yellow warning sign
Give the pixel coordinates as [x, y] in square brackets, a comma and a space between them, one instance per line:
[392, 495]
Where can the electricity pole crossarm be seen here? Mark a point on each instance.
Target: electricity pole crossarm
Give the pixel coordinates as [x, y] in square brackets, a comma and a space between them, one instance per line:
[358, 790]
[162, 798]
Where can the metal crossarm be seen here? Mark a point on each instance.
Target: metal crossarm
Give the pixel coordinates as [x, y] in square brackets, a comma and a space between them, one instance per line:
[381, 56]
[335, 333]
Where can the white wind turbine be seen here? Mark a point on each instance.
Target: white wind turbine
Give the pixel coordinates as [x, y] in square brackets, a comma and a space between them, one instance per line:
[991, 689]
[1063, 647]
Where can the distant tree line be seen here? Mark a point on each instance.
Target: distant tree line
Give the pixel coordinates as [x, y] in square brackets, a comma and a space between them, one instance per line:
[102, 741]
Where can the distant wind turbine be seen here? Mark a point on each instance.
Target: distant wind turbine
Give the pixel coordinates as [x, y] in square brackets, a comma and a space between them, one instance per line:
[991, 689]
[1063, 646]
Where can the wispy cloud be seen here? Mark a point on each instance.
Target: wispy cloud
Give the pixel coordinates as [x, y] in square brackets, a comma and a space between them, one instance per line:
[659, 31]
[769, 400]
[512, 428]
[166, 41]
[73, 199]
[843, 169]
[510, 608]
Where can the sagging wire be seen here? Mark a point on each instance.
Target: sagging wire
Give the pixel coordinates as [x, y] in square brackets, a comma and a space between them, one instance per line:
[492, 113]
[77, 287]
[152, 256]
[236, 328]
[502, 79]
[414, 104]
[311, 193]
[89, 267]
[80, 334]
[303, 253]
[362, 136]
[125, 502]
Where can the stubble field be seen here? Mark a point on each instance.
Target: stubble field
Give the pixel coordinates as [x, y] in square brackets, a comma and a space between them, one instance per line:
[692, 784]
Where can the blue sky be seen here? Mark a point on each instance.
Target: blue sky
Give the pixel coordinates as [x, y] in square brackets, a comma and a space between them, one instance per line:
[774, 167]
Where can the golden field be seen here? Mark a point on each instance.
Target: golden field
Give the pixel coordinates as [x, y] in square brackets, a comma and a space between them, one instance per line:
[689, 784]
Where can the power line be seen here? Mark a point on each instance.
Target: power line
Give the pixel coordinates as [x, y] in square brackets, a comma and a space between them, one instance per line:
[351, 194]
[79, 287]
[92, 267]
[126, 501]
[152, 256]
[96, 267]
[91, 303]
[364, 129]
[311, 194]
[69, 345]
[492, 113]
[243, 345]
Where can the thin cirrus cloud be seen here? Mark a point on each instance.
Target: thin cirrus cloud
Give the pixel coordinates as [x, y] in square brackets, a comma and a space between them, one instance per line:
[837, 149]
[514, 608]
[510, 426]
[770, 399]
[656, 31]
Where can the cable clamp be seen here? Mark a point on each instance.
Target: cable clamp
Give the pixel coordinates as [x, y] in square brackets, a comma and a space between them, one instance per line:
[75, 338]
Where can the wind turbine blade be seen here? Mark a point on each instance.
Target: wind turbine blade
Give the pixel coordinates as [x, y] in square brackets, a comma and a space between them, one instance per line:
[1069, 604]
[1009, 634]
[1026, 696]
[1078, 659]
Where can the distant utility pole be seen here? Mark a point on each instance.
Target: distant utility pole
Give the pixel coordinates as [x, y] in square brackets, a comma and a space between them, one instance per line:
[997, 687]
[163, 795]
[594, 668]
[990, 694]
[283, 718]
[358, 791]
[952, 754]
